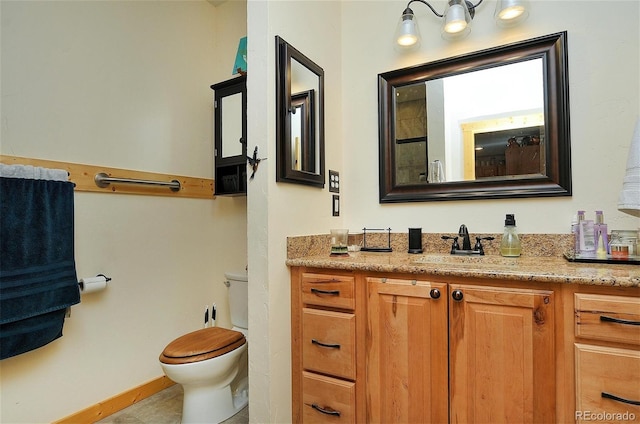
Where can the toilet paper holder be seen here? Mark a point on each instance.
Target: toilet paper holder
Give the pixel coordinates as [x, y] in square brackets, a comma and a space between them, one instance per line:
[81, 282]
[82, 289]
[100, 275]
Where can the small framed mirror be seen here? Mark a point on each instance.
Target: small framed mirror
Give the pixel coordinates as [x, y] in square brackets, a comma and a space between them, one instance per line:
[299, 117]
[489, 124]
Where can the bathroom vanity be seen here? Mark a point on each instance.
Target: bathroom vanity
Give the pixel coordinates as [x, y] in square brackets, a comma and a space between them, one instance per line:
[394, 337]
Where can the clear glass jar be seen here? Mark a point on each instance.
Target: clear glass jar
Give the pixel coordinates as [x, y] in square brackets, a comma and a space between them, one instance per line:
[624, 243]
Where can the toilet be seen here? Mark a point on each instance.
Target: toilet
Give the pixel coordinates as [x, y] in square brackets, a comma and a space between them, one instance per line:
[211, 363]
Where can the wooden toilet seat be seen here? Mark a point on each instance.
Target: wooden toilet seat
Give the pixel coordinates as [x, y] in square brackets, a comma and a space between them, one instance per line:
[201, 345]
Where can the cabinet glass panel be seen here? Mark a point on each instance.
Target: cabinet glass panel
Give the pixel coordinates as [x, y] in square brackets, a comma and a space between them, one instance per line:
[231, 125]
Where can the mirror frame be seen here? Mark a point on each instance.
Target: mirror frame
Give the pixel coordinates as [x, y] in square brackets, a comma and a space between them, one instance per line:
[285, 171]
[553, 51]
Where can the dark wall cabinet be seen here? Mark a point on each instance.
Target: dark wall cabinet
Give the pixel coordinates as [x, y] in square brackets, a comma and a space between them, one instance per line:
[230, 137]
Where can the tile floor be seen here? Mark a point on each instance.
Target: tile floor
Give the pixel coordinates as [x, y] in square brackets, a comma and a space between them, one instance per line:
[164, 407]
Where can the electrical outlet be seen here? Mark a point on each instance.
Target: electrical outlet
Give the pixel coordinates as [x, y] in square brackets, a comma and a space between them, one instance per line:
[334, 181]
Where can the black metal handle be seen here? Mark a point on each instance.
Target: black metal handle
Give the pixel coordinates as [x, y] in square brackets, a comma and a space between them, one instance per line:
[619, 399]
[327, 292]
[435, 293]
[457, 295]
[325, 411]
[618, 320]
[455, 246]
[329, 345]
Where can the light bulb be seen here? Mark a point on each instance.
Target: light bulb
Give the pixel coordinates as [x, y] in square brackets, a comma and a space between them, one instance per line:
[407, 34]
[457, 20]
[511, 12]
[454, 21]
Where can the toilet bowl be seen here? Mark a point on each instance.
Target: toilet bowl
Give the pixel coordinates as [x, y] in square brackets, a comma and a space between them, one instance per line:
[210, 363]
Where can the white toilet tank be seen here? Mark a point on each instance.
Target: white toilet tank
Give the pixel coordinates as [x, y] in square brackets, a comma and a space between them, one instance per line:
[238, 298]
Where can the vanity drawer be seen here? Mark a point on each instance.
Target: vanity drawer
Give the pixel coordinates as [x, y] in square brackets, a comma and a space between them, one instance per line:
[606, 371]
[337, 291]
[327, 399]
[328, 342]
[607, 318]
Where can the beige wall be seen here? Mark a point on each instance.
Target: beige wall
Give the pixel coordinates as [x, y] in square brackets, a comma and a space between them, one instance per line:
[126, 85]
[604, 95]
[604, 103]
[148, 302]
[278, 210]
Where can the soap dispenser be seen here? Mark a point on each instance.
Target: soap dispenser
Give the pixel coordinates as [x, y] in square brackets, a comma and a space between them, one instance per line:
[510, 245]
[602, 240]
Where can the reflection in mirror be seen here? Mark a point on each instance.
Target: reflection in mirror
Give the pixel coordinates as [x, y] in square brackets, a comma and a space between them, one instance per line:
[299, 117]
[232, 125]
[451, 120]
[489, 124]
[304, 149]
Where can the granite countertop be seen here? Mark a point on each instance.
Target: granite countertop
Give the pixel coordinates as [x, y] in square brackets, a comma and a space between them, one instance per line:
[542, 262]
[539, 269]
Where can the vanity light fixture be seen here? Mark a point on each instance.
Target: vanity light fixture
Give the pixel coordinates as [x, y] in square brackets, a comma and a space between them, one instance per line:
[456, 20]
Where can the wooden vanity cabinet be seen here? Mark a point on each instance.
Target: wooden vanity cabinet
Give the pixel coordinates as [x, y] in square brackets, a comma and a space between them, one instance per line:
[459, 353]
[501, 355]
[607, 357]
[327, 347]
[407, 357]
[435, 349]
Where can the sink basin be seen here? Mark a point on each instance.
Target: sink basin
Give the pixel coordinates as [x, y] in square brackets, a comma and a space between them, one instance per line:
[464, 260]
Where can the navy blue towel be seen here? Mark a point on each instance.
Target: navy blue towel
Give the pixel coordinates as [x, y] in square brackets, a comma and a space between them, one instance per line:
[37, 266]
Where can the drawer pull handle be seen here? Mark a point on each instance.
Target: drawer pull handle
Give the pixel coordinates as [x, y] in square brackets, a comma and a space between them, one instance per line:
[618, 320]
[329, 345]
[327, 292]
[619, 399]
[325, 411]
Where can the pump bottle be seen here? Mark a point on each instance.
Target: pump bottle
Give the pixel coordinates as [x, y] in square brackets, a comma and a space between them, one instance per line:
[602, 240]
[510, 245]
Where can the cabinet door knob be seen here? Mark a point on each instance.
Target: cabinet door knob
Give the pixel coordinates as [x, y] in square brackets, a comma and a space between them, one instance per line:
[457, 295]
[435, 293]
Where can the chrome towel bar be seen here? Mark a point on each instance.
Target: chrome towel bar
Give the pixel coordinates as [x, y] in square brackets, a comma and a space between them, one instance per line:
[103, 180]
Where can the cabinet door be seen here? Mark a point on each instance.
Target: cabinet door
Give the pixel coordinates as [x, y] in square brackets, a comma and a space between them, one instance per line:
[407, 356]
[502, 364]
[230, 136]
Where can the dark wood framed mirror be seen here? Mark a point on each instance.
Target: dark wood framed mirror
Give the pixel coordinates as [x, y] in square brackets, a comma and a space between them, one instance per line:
[489, 124]
[299, 117]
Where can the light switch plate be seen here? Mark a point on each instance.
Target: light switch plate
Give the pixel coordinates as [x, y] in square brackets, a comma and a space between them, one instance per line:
[334, 181]
[336, 205]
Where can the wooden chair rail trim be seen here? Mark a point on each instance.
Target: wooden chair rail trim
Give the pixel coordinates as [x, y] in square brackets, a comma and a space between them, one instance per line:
[83, 177]
[118, 402]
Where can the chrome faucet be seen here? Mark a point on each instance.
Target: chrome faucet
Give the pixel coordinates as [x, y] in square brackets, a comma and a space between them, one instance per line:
[466, 243]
